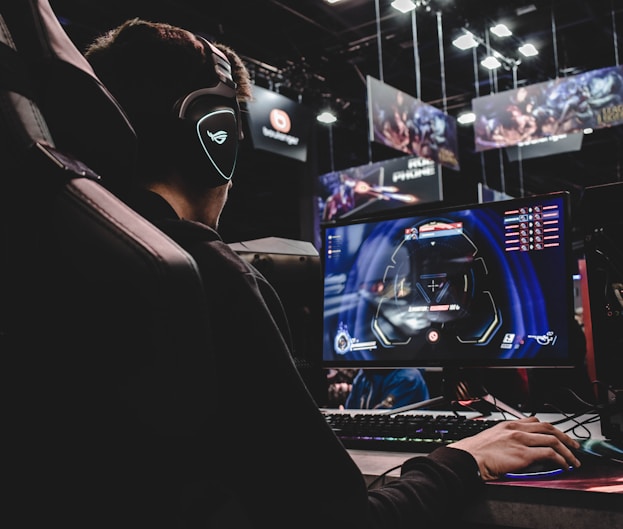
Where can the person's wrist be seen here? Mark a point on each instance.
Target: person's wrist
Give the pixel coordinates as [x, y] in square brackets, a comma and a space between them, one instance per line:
[481, 472]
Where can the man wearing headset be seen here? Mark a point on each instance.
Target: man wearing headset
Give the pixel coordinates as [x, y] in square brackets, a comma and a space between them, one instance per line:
[181, 93]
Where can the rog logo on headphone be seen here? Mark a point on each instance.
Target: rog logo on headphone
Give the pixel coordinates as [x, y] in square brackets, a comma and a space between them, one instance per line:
[219, 137]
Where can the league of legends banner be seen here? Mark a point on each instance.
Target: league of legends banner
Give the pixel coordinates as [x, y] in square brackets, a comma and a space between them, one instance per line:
[404, 123]
[549, 111]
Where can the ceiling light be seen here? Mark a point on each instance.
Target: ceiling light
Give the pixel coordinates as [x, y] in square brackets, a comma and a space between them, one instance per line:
[466, 118]
[404, 6]
[491, 62]
[332, 1]
[326, 117]
[500, 30]
[528, 50]
[465, 42]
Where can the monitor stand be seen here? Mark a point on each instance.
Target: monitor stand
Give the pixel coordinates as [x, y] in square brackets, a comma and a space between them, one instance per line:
[459, 388]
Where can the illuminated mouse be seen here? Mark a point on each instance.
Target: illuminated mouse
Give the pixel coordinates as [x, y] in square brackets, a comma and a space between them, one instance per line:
[539, 470]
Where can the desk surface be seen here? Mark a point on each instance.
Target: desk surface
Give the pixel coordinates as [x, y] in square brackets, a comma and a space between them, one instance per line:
[588, 497]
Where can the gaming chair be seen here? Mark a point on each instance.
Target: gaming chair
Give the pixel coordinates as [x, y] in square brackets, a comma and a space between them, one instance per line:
[103, 330]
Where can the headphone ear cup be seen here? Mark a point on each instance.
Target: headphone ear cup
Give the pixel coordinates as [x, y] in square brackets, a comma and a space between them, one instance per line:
[208, 136]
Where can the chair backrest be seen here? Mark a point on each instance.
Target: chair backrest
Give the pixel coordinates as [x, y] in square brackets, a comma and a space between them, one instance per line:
[103, 329]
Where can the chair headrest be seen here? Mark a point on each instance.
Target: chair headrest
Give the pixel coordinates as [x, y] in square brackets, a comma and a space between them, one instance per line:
[83, 118]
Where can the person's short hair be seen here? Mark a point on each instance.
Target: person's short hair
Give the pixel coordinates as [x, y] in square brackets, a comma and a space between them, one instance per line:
[148, 66]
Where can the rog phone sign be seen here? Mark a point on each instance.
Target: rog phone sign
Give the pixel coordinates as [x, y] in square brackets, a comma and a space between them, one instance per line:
[278, 124]
[378, 187]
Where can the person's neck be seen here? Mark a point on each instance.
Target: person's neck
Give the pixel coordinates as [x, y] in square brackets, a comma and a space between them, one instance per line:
[199, 207]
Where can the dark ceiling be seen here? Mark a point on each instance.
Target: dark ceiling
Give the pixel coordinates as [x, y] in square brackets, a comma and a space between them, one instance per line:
[319, 54]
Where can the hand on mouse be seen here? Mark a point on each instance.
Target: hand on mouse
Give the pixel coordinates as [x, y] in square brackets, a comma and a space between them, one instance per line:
[512, 445]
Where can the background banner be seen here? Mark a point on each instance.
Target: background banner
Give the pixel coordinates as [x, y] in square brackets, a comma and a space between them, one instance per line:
[547, 112]
[279, 124]
[404, 123]
[377, 187]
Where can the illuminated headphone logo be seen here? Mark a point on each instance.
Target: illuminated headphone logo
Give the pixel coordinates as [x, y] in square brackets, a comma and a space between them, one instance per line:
[215, 130]
[219, 137]
[280, 120]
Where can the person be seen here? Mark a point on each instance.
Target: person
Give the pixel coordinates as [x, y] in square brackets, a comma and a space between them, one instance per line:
[341, 200]
[260, 459]
[514, 127]
[339, 386]
[385, 389]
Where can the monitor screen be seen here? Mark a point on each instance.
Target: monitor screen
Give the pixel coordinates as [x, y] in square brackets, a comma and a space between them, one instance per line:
[483, 285]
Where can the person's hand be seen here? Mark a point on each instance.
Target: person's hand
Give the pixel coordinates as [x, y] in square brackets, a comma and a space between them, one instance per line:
[513, 445]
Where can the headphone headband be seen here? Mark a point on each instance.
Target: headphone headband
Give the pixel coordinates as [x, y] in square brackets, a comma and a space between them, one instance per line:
[222, 66]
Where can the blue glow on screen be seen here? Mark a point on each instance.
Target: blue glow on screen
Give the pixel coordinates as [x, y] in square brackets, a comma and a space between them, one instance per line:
[481, 285]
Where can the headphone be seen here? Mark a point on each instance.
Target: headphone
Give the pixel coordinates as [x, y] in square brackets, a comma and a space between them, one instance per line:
[209, 122]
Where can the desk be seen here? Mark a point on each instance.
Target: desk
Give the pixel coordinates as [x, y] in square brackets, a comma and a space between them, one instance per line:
[588, 498]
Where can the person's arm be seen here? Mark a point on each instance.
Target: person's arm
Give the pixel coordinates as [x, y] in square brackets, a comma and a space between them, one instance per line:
[314, 479]
[433, 490]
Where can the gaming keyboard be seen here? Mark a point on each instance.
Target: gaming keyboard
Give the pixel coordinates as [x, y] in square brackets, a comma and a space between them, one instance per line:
[418, 433]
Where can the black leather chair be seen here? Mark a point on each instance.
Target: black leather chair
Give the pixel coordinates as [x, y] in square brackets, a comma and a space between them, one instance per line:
[103, 330]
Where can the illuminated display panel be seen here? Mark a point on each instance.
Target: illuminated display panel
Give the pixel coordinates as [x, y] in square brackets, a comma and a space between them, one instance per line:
[483, 285]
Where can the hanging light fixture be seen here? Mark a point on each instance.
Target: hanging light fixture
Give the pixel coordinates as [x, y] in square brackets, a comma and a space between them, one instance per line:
[327, 117]
[500, 30]
[496, 59]
[465, 41]
[465, 118]
[491, 62]
[528, 50]
[404, 6]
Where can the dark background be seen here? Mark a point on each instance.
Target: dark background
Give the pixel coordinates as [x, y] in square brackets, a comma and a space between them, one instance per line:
[319, 54]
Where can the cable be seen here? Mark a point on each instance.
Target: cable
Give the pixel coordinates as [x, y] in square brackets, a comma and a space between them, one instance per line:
[582, 425]
[577, 424]
[416, 56]
[580, 399]
[379, 40]
[442, 62]
[382, 476]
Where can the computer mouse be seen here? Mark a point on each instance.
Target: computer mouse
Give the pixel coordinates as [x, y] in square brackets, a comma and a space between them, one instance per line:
[590, 452]
[538, 470]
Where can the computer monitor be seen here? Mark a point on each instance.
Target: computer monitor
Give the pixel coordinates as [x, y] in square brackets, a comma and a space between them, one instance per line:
[475, 286]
